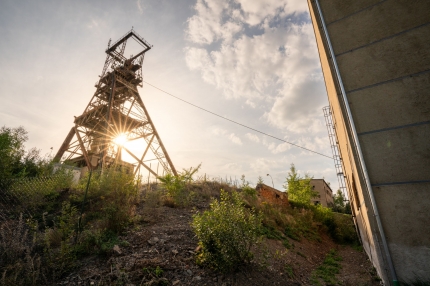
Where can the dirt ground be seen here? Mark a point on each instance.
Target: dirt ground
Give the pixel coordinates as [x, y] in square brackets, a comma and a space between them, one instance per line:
[162, 246]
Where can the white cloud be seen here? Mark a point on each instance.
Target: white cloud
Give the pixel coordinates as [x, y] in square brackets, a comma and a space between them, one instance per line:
[256, 11]
[231, 136]
[207, 26]
[236, 140]
[299, 109]
[253, 137]
[281, 148]
[263, 165]
[261, 56]
[219, 131]
[92, 24]
[139, 6]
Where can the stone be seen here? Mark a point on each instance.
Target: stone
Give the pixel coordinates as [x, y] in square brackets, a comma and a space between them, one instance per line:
[153, 240]
[116, 249]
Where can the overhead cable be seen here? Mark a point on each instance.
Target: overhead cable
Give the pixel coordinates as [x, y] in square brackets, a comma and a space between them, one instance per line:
[235, 122]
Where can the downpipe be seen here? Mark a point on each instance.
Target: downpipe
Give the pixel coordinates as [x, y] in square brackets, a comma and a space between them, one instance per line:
[358, 148]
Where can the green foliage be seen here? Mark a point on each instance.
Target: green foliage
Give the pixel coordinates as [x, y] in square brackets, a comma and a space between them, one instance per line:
[39, 194]
[176, 186]
[339, 204]
[298, 188]
[272, 233]
[328, 270]
[15, 161]
[247, 189]
[59, 252]
[157, 271]
[112, 196]
[260, 180]
[96, 241]
[289, 270]
[226, 233]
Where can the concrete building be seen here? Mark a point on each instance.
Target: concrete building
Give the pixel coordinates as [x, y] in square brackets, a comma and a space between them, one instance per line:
[375, 57]
[325, 194]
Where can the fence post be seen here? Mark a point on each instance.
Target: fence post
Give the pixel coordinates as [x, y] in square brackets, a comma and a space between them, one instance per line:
[83, 204]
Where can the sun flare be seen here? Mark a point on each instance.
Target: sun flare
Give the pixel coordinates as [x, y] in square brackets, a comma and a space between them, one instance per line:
[121, 139]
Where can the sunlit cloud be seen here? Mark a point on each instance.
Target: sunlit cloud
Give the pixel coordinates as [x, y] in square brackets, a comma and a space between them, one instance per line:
[139, 6]
[235, 139]
[253, 137]
[265, 49]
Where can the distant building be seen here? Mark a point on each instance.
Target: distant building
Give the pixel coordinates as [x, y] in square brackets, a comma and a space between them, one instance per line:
[272, 195]
[376, 64]
[325, 197]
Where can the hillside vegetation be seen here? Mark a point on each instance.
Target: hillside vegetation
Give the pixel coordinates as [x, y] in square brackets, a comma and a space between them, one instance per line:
[110, 229]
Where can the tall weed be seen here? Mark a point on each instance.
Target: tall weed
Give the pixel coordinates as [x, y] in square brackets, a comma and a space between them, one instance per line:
[226, 233]
[177, 189]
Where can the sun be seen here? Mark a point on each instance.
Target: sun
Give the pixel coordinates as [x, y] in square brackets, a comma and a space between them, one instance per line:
[121, 139]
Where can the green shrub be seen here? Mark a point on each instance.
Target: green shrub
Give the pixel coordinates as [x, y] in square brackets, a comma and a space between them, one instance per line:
[327, 270]
[95, 241]
[176, 187]
[59, 250]
[112, 196]
[226, 233]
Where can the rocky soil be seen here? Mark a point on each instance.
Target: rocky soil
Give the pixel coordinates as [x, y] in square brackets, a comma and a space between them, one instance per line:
[161, 250]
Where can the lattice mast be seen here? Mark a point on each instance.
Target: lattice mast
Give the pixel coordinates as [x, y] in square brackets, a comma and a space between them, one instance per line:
[335, 149]
[115, 127]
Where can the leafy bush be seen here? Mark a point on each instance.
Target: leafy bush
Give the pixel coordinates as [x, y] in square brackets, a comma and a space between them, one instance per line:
[59, 251]
[112, 196]
[99, 242]
[226, 233]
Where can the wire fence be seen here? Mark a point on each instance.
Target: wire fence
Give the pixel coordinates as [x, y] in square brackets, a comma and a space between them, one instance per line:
[27, 195]
[35, 196]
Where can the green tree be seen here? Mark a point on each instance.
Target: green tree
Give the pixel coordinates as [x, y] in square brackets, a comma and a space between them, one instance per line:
[299, 189]
[260, 180]
[340, 203]
[15, 161]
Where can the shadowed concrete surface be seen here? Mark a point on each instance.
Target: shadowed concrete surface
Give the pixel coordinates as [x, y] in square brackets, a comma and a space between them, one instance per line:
[381, 50]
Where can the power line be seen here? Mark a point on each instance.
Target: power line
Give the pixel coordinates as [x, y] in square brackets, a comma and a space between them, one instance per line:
[235, 122]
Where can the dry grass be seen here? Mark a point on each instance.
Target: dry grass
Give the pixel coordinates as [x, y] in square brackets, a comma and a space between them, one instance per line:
[20, 264]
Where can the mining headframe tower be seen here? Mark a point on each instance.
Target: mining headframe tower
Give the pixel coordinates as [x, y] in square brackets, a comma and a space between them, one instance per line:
[115, 127]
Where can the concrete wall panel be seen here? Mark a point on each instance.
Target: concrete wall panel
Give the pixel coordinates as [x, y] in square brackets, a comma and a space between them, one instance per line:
[334, 10]
[371, 25]
[386, 60]
[387, 83]
[396, 103]
[405, 209]
[398, 155]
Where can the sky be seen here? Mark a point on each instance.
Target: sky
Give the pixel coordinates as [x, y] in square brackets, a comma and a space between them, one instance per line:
[252, 61]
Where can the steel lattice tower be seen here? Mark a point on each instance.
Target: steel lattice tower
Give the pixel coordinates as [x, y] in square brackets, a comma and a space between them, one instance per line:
[115, 127]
